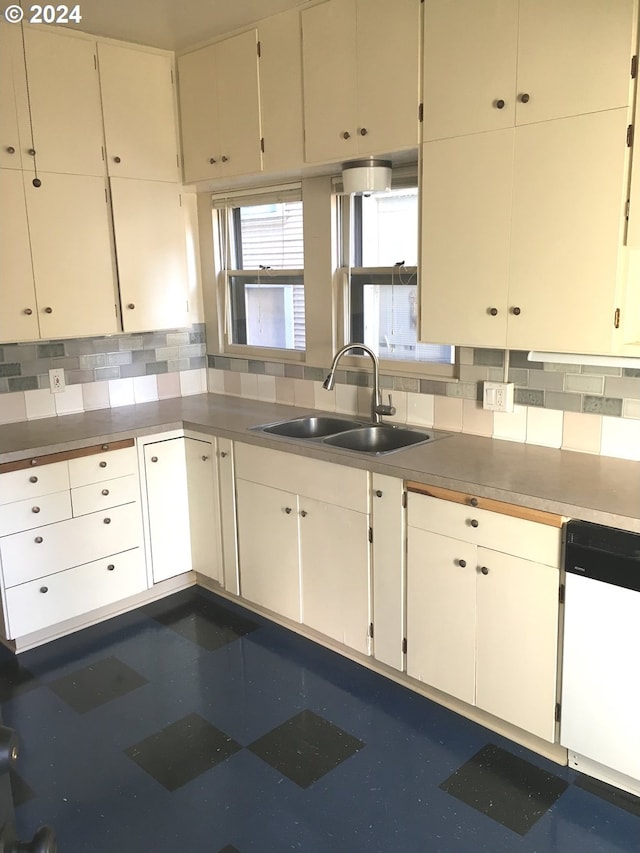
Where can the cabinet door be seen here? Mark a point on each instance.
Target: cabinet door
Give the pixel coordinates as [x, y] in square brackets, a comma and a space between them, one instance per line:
[11, 78]
[268, 548]
[239, 105]
[573, 57]
[64, 95]
[228, 519]
[388, 519]
[150, 237]
[168, 508]
[199, 113]
[568, 204]
[329, 72]
[517, 641]
[204, 508]
[139, 113]
[388, 75]
[466, 211]
[19, 315]
[334, 556]
[441, 613]
[281, 91]
[72, 257]
[465, 78]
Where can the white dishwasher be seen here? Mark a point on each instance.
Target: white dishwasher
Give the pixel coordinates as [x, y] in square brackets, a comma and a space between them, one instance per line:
[600, 721]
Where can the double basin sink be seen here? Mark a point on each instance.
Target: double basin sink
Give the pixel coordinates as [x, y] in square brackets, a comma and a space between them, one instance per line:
[348, 434]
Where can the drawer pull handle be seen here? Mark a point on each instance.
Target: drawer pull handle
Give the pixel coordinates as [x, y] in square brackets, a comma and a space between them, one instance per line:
[35, 509]
[105, 492]
[110, 567]
[484, 570]
[474, 522]
[462, 563]
[33, 479]
[474, 501]
[378, 493]
[106, 520]
[105, 446]
[44, 589]
[103, 464]
[154, 458]
[38, 540]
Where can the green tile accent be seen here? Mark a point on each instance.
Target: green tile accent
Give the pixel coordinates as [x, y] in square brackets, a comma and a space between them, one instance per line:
[488, 357]
[602, 405]
[50, 350]
[432, 386]
[518, 358]
[406, 383]
[597, 370]
[143, 356]
[191, 351]
[23, 383]
[256, 367]
[76, 377]
[240, 365]
[108, 373]
[165, 353]
[362, 380]
[175, 365]
[137, 369]
[529, 397]
[177, 339]
[4, 383]
[9, 370]
[584, 383]
[465, 390]
[220, 362]
[197, 363]
[317, 374]
[627, 388]
[127, 344]
[273, 368]
[546, 379]
[518, 375]
[564, 401]
[155, 367]
[294, 371]
[626, 371]
[90, 362]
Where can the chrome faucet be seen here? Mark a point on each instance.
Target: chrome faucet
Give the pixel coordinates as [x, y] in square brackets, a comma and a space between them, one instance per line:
[377, 406]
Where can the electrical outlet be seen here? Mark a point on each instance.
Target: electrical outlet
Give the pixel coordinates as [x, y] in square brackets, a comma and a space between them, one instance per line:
[498, 396]
[56, 380]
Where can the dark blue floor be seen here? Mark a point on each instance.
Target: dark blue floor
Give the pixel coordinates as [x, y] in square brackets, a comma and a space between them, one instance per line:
[193, 726]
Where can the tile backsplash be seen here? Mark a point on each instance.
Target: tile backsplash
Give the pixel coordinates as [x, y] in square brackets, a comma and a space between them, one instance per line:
[576, 407]
[101, 372]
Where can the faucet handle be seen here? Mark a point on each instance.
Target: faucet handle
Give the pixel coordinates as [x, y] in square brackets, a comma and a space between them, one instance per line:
[386, 409]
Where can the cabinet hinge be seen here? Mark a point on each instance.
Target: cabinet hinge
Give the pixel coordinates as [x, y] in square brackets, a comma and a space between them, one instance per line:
[259, 50]
[558, 712]
[371, 629]
[561, 594]
[95, 62]
[102, 149]
[630, 136]
[171, 72]
[616, 319]
[404, 646]
[420, 112]
[627, 208]
[180, 199]
[371, 534]
[634, 67]
[262, 144]
[404, 500]
[106, 195]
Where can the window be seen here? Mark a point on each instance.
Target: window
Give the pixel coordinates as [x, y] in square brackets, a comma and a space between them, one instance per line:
[261, 239]
[381, 254]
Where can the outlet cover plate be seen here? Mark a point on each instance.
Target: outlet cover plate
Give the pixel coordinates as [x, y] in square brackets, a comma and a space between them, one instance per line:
[56, 380]
[498, 396]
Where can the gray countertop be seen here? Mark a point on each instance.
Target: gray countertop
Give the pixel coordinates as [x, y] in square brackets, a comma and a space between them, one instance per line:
[578, 485]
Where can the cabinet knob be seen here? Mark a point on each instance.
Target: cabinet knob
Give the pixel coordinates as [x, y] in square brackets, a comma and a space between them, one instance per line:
[106, 521]
[204, 458]
[35, 509]
[31, 151]
[131, 306]
[48, 310]
[103, 464]
[499, 104]
[474, 501]
[304, 513]
[154, 458]
[474, 522]
[493, 312]
[33, 479]
[484, 570]
[11, 150]
[36, 182]
[224, 158]
[105, 446]
[515, 310]
[462, 563]
[524, 98]
[34, 461]
[223, 454]
[212, 160]
[28, 311]
[105, 492]
[378, 493]
[38, 540]
[116, 160]
[110, 567]
[287, 509]
[44, 589]
[363, 131]
[346, 135]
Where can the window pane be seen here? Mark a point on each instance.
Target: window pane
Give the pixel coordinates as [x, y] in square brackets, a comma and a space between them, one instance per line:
[390, 228]
[269, 235]
[267, 314]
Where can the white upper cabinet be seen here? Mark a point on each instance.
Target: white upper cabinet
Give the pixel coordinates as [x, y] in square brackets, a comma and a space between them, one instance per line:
[220, 109]
[281, 91]
[360, 71]
[10, 147]
[149, 228]
[64, 105]
[138, 106]
[537, 60]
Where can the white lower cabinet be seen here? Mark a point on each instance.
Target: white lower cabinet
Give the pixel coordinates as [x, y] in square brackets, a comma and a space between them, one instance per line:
[303, 541]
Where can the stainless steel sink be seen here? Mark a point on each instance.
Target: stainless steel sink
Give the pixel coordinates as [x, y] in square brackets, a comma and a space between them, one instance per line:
[378, 438]
[311, 427]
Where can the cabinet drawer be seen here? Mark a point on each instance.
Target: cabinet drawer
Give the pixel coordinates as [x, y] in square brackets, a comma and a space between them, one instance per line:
[538, 542]
[44, 550]
[102, 466]
[33, 482]
[75, 591]
[34, 512]
[108, 493]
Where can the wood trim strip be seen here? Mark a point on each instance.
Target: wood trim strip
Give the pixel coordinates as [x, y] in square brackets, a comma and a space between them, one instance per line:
[528, 514]
[64, 455]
